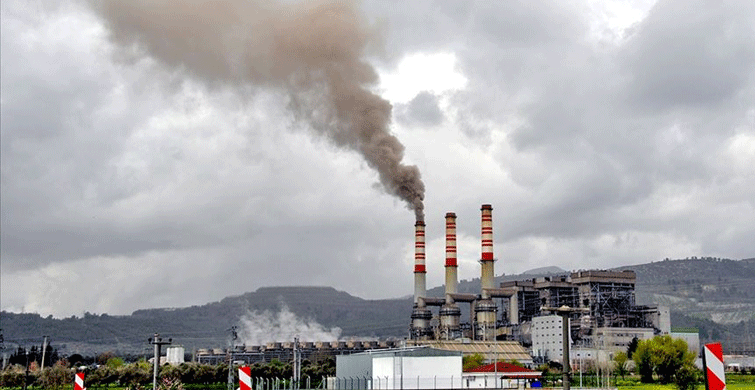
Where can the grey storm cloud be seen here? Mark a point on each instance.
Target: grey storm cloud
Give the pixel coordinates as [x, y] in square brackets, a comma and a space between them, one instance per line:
[614, 127]
[423, 110]
[694, 53]
[182, 149]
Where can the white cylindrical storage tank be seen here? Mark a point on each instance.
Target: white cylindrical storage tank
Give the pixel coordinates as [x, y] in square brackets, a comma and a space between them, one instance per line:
[175, 354]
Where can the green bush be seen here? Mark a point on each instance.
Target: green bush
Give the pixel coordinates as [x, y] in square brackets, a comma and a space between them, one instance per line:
[12, 376]
[134, 375]
[687, 377]
[58, 376]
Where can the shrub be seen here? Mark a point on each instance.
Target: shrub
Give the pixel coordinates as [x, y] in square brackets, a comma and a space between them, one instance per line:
[12, 376]
[687, 377]
[56, 377]
[134, 375]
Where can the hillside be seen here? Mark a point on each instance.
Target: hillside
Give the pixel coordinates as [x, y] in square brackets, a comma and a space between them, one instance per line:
[207, 325]
[721, 290]
[710, 294]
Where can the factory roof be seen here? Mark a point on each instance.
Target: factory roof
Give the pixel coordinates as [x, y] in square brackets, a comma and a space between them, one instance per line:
[490, 350]
[418, 351]
[507, 368]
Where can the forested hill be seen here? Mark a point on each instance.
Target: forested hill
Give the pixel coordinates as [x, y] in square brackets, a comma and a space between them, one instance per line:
[207, 325]
[721, 290]
[704, 269]
[711, 294]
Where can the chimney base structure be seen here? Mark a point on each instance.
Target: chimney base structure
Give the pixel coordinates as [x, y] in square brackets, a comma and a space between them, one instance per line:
[450, 322]
[420, 328]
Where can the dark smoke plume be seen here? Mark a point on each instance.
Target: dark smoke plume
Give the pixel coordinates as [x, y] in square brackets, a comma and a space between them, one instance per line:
[313, 50]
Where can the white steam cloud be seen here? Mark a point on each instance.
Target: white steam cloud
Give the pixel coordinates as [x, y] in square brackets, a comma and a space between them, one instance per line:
[260, 328]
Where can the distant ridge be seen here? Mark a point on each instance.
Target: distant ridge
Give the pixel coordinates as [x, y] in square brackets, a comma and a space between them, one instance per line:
[714, 295]
[206, 326]
[721, 290]
[544, 270]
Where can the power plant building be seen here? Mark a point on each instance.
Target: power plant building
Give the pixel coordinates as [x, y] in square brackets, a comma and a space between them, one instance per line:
[489, 350]
[604, 312]
[511, 321]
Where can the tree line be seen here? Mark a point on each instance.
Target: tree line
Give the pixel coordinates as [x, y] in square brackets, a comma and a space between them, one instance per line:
[136, 375]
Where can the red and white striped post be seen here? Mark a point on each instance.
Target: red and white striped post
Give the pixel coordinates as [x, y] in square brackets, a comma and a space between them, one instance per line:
[713, 364]
[78, 381]
[245, 378]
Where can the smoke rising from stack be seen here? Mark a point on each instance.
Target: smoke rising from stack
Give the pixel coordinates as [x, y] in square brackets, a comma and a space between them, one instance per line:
[311, 50]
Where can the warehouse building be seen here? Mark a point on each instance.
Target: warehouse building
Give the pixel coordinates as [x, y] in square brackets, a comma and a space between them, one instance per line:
[403, 368]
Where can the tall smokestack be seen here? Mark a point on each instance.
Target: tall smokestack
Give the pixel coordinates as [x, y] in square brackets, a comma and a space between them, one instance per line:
[420, 287]
[451, 263]
[450, 314]
[420, 328]
[487, 260]
[485, 308]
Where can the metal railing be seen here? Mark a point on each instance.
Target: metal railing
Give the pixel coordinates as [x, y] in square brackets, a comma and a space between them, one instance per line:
[260, 383]
[389, 383]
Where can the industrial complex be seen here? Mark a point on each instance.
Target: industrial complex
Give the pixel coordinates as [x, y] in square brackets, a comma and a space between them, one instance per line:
[515, 320]
[603, 314]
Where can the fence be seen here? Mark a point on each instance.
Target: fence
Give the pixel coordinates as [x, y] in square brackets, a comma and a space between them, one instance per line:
[361, 383]
[437, 382]
[393, 383]
[388, 383]
[259, 383]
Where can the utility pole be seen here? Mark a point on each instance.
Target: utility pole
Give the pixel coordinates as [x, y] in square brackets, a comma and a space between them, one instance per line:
[234, 336]
[2, 349]
[564, 312]
[495, 364]
[297, 363]
[44, 350]
[158, 342]
[26, 374]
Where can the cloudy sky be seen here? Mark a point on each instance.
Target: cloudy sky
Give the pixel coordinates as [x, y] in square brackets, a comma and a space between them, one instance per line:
[163, 156]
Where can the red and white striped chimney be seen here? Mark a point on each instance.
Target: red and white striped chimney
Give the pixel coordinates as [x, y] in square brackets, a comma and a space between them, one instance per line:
[420, 287]
[487, 260]
[451, 264]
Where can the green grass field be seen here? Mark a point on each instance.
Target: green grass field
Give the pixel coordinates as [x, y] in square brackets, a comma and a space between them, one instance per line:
[733, 382]
[651, 386]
